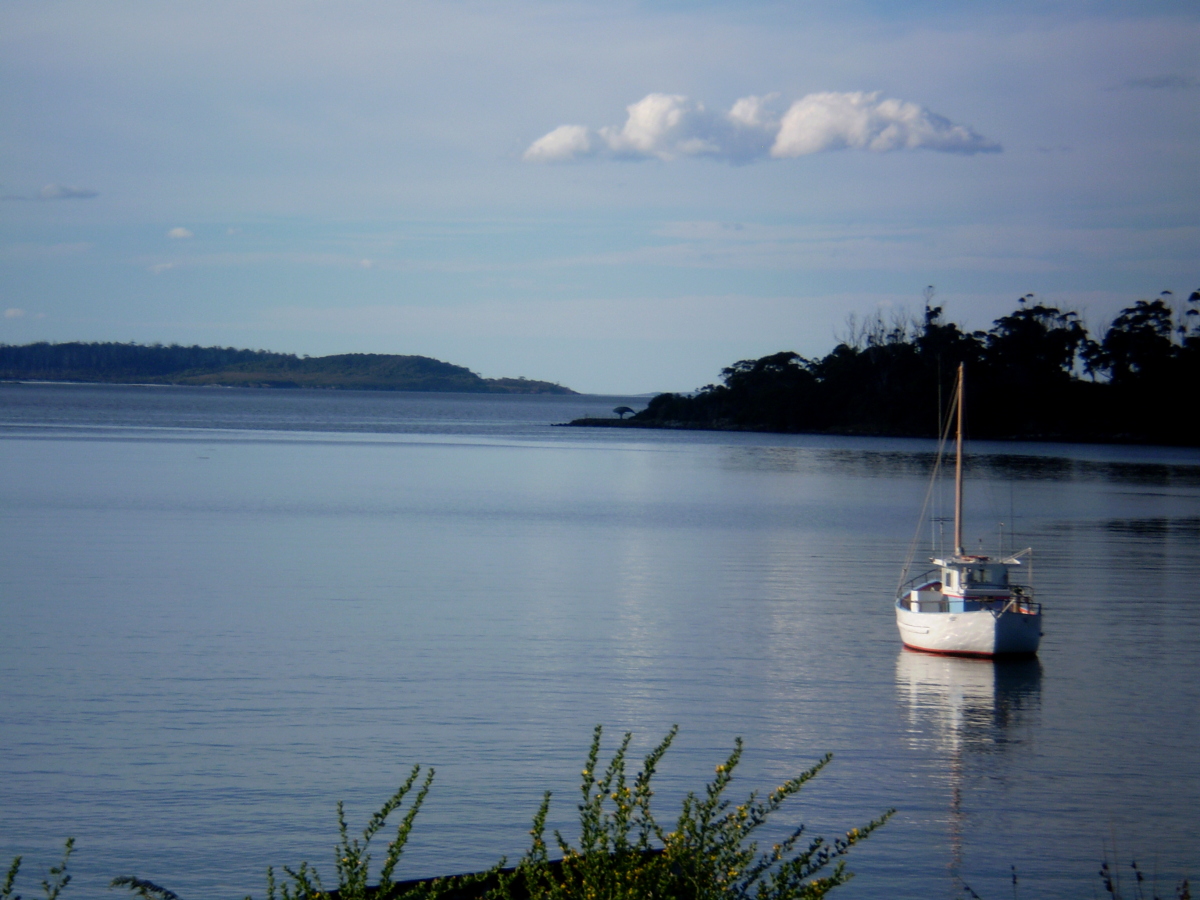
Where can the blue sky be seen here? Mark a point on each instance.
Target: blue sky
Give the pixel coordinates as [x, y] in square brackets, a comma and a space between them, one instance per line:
[623, 197]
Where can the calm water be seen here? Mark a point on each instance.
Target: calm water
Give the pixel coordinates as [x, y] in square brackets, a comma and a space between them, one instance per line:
[225, 610]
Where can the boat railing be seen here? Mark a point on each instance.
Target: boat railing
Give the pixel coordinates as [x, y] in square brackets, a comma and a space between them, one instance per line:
[1022, 601]
[1019, 599]
[1023, 606]
[925, 577]
[1014, 604]
[1022, 592]
[938, 606]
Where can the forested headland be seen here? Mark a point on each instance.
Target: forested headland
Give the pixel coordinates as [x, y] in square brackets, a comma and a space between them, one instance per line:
[157, 364]
[1036, 374]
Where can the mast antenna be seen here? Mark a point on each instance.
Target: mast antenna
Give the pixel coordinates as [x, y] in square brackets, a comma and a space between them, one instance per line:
[929, 493]
[958, 458]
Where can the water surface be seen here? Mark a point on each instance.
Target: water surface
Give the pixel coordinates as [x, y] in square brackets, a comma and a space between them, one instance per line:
[225, 610]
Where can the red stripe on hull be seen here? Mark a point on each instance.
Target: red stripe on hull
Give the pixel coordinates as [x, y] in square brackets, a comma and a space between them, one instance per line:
[966, 653]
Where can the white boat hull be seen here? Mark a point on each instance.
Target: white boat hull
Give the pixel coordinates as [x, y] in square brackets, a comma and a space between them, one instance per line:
[982, 632]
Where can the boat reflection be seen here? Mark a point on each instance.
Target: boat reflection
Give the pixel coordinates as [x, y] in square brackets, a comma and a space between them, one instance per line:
[969, 714]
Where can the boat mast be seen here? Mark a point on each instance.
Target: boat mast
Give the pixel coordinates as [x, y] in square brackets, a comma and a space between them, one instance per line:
[958, 475]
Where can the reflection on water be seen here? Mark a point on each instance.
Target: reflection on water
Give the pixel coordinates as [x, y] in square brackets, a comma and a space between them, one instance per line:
[954, 702]
[1154, 527]
[1040, 468]
[917, 459]
[967, 712]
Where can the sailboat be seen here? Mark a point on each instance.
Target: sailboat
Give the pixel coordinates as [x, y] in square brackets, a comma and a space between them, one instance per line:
[968, 605]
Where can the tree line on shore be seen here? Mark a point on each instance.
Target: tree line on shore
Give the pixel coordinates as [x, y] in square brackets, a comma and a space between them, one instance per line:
[174, 364]
[1035, 374]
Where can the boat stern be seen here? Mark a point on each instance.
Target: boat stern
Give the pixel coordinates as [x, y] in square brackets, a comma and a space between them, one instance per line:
[982, 632]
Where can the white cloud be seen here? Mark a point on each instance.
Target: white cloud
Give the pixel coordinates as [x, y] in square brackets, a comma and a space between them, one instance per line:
[159, 268]
[666, 126]
[564, 143]
[65, 192]
[861, 121]
[179, 234]
[753, 112]
[663, 125]
[13, 313]
[669, 126]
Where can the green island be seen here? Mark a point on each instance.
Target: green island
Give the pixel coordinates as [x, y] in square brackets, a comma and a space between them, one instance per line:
[1036, 374]
[116, 363]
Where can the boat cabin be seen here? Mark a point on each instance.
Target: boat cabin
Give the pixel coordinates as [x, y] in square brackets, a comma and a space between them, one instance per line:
[973, 574]
[970, 582]
[967, 583]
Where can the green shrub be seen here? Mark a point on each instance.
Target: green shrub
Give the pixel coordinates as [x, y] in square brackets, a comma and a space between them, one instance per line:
[624, 853]
[1110, 877]
[353, 858]
[59, 878]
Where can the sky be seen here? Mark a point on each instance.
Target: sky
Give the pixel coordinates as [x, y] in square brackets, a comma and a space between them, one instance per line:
[622, 197]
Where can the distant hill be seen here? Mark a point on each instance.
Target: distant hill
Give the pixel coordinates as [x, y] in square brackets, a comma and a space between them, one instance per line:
[116, 363]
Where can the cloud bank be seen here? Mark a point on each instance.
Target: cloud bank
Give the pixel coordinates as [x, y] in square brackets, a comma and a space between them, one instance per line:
[1162, 83]
[65, 192]
[670, 126]
[56, 192]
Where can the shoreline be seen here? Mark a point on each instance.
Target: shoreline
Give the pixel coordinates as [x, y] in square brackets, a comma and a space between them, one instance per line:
[292, 386]
[1101, 440]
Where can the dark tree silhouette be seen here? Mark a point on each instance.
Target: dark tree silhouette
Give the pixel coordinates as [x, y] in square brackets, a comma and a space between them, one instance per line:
[1138, 344]
[1037, 345]
[1023, 376]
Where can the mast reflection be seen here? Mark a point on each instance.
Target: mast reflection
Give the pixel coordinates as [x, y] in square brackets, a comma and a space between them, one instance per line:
[968, 713]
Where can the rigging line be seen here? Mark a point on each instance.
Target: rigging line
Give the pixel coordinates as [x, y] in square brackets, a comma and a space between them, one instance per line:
[937, 466]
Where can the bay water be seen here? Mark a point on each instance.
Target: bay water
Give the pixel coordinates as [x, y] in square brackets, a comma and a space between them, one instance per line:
[222, 611]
